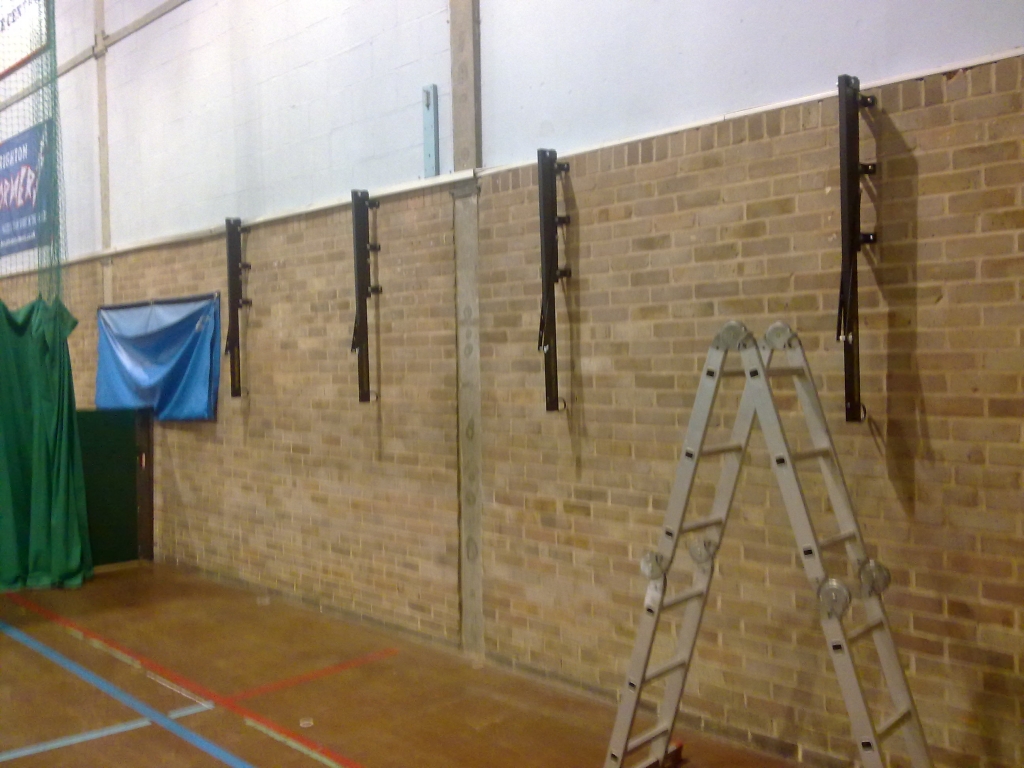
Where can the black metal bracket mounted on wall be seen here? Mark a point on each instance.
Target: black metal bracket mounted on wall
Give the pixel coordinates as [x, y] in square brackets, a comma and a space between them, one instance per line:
[236, 301]
[548, 169]
[361, 249]
[851, 169]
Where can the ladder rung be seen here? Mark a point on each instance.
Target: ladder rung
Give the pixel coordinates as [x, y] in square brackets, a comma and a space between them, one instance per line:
[839, 538]
[646, 738]
[714, 450]
[814, 453]
[698, 525]
[683, 597]
[786, 370]
[732, 372]
[664, 669]
[887, 728]
[856, 634]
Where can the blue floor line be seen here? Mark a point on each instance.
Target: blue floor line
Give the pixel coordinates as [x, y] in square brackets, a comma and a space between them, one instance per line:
[148, 713]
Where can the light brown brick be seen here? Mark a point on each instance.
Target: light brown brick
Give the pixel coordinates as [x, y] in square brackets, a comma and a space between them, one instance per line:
[769, 208]
[987, 154]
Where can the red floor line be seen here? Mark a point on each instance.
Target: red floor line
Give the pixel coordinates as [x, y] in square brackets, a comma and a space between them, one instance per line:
[315, 675]
[224, 702]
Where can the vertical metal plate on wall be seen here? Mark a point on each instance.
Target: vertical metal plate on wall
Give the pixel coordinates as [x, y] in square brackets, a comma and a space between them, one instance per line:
[431, 141]
[236, 301]
[548, 169]
[364, 288]
[850, 171]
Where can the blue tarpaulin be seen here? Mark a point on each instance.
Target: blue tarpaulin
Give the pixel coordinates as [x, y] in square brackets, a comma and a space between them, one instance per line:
[163, 355]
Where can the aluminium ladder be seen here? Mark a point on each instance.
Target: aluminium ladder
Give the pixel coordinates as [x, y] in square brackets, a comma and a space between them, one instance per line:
[834, 597]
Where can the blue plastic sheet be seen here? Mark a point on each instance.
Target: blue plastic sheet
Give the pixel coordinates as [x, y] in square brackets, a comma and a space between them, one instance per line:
[163, 355]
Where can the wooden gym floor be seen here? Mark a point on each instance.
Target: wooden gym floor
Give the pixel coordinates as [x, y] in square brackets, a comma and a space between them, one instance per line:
[152, 666]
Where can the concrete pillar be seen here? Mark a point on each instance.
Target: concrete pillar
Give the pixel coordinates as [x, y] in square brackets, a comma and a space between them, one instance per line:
[100, 52]
[467, 332]
[464, 20]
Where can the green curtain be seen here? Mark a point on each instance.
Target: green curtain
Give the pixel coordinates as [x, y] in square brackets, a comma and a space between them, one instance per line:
[44, 532]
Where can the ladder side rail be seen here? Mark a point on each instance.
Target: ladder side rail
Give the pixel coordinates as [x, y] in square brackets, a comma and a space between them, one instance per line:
[799, 519]
[896, 681]
[675, 681]
[693, 613]
[862, 726]
[707, 391]
[630, 697]
[839, 497]
[732, 462]
[782, 465]
[831, 469]
[693, 443]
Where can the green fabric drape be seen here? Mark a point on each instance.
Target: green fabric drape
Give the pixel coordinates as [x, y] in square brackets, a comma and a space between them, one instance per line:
[44, 532]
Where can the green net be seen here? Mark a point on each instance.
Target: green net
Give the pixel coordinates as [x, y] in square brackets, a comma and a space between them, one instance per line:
[32, 234]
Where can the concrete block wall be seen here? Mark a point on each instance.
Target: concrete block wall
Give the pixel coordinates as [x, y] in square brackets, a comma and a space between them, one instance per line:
[587, 87]
[80, 160]
[299, 488]
[228, 109]
[244, 109]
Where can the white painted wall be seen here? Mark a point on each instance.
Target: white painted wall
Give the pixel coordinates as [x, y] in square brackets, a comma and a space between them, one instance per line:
[121, 13]
[254, 107]
[79, 127]
[574, 74]
[75, 27]
[80, 152]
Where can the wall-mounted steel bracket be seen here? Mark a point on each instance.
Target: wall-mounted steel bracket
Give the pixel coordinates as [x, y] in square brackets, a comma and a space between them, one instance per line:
[548, 169]
[236, 301]
[364, 289]
[851, 169]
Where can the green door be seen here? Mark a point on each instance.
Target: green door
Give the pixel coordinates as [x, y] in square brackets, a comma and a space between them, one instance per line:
[110, 458]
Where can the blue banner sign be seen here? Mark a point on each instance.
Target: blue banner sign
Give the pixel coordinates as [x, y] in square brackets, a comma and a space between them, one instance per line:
[23, 204]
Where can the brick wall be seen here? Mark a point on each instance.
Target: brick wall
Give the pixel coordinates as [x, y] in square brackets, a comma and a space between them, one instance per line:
[671, 237]
[300, 488]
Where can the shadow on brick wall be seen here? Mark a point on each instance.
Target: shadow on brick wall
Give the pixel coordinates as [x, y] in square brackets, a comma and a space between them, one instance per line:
[894, 262]
[575, 410]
